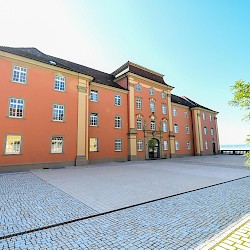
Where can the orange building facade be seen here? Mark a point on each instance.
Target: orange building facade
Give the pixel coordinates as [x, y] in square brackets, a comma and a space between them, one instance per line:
[58, 113]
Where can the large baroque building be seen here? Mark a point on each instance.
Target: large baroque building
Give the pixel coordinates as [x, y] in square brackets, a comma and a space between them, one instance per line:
[58, 113]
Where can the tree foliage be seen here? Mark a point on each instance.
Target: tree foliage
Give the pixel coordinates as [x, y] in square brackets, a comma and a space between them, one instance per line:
[241, 92]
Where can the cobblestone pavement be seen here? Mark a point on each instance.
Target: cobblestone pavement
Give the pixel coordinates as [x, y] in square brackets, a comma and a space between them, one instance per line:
[25, 204]
[180, 222]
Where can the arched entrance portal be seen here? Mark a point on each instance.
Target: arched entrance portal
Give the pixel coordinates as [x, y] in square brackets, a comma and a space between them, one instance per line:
[153, 149]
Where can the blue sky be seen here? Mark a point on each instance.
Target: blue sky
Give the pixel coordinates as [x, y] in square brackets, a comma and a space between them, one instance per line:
[201, 46]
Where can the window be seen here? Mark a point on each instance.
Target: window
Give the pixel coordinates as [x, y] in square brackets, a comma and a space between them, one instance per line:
[118, 144]
[206, 144]
[138, 103]
[212, 131]
[56, 145]
[58, 112]
[164, 108]
[177, 145]
[13, 144]
[204, 116]
[151, 91]
[165, 145]
[93, 121]
[138, 88]
[93, 144]
[152, 106]
[152, 125]
[186, 114]
[164, 127]
[205, 130]
[139, 145]
[59, 83]
[174, 112]
[163, 95]
[93, 95]
[187, 130]
[19, 74]
[117, 100]
[210, 117]
[139, 124]
[16, 107]
[176, 128]
[118, 121]
[188, 145]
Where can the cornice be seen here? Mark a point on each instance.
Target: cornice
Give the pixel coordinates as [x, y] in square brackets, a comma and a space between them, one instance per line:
[96, 84]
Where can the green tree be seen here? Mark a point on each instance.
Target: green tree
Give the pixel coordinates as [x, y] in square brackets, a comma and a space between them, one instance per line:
[241, 92]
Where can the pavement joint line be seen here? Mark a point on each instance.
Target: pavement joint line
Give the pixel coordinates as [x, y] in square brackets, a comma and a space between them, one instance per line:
[113, 211]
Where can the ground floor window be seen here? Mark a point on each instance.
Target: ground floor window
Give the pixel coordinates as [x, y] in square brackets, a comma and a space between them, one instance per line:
[206, 144]
[188, 145]
[93, 144]
[118, 144]
[165, 145]
[13, 144]
[177, 145]
[139, 145]
[56, 144]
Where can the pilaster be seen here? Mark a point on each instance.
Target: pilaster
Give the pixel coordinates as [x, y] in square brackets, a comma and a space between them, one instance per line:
[171, 133]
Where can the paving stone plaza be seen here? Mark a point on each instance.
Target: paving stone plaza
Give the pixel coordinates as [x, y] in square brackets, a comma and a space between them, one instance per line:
[37, 207]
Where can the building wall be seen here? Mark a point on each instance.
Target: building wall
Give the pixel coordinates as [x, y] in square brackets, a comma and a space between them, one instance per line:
[37, 127]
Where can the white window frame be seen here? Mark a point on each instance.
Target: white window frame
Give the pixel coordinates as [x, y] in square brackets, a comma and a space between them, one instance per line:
[118, 121]
[165, 145]
[19, 74]
[186, 114]
[163, 95]
[176, 128]
[177, 145]
[210, 118]
[138, 102]
[139, 124]
[93, 120]
[212, 131]
[59, 83]
[188, 145]
[94, 95]
[205, 130]
[164, 108]
[93, 144]
[152, 126]
[174, 112]
[151, 91]
[165, 126]
[138, 88]
[152, 106]
[13, 145]
[118, 100]
[16, 107]
[118, 145]
[140, 145]
[58, 112]
[56, 144]
[187, 130]
[206, 145]
[204, 116]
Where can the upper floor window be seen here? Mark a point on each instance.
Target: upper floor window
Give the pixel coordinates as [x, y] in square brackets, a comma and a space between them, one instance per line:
[152, 106]
[164, 127]
[56, 145]
[138, 88]
[16, 108]
[186, 114]
[19, 74]
[163, 95]
[188, 145]
[205, 130]
[139, 145]
[58, 112]
[187, 130]
[151, 91]
[139, 124]
[13, 144]
[176, 128]
[212, 131]
[118, 100]
[177, 145]
[93, 144]
[174, 112]
[94, 95]
[210, 117]
[152, 125]
[59, 83]
[204, 115]
[164, 108]
[118, 144]
[165, 145]
[138, 103]
[93, 121]
[118, 121]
